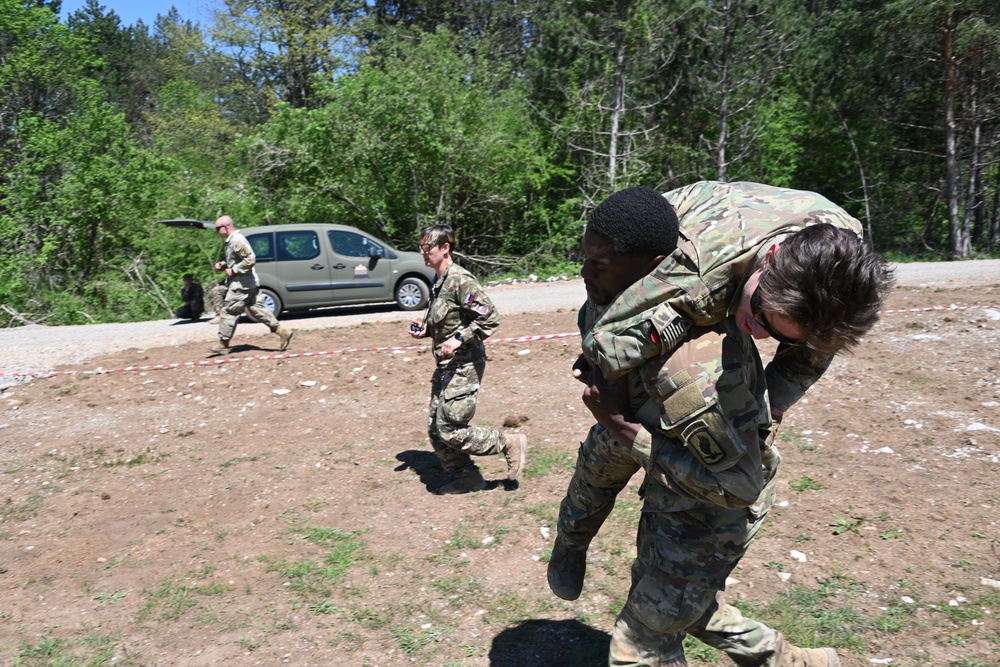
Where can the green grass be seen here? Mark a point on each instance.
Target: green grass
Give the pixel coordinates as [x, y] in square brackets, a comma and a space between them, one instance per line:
[11, 511]
[317, 579]
[544, 462]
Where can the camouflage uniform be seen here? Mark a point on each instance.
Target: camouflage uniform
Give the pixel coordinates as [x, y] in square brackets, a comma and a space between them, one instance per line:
[459, 305]
[725, 230]
[215, 297]
[697, 386]
[242, 289]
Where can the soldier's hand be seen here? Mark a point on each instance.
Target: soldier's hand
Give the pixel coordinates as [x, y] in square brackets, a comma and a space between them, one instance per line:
[581, 369]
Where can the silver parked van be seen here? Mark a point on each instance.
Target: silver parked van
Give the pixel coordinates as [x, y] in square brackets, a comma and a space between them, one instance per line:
[315, 266]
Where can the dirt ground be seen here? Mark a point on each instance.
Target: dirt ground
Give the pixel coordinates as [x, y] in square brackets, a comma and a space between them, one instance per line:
[277, 511]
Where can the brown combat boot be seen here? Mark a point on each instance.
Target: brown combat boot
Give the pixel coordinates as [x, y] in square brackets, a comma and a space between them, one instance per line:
[222, 347]
[466, 480]
[514, 452]
[793, 656]
[567, 568]
[286, 337]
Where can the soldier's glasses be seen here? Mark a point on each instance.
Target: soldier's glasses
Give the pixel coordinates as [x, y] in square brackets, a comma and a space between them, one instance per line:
[757, 309]
[426, 247]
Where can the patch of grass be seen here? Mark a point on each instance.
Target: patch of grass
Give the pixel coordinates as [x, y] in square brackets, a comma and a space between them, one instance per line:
[815, 617]
[546, 462]
[508, 608]
[461, 539]
[172, 599]
[238, 459]
[148, 455]
[316, 580]
[843, 525]
[412, 639]
[110, 596]
[805, 484]
[11, 511]
[370, 619]
[55, 652]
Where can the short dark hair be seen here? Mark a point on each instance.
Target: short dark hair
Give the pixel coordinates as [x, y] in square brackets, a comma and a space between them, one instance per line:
[637, 221]
[439, 235]
[187, 276]
[830, 282]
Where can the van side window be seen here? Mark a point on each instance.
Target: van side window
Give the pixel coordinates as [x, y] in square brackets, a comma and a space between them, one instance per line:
[349, 244]
[297, 245]
[263, 246]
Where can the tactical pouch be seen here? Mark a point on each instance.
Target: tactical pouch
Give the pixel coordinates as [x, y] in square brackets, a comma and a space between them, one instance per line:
[691, 413]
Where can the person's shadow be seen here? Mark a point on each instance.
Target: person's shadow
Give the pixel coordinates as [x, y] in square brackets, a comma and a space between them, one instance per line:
[432, 475]
[544, 643]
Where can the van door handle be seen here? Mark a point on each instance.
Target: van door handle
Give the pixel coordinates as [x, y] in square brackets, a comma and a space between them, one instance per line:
[316, 266]
[337, 266]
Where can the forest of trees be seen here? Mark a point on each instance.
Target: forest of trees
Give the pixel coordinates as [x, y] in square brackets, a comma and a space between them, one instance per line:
[507, 119]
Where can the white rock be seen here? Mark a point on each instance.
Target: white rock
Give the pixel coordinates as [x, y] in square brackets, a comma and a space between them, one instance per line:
[489, 540]
[880, 661]
[544, 530]
[907, 599]
[798, 555]
[281, 392]
[521, 353]
[308, 383]
[784, 576]
[995, 583]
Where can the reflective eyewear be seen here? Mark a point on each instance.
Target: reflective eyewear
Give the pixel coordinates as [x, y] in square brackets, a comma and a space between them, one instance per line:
[757, 309]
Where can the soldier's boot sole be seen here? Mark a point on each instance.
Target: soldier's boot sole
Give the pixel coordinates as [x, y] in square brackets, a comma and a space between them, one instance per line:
[514, 453]
[567, 570]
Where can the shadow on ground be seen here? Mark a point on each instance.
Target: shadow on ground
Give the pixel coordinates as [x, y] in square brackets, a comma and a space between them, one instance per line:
[430, 473]
[543, 643]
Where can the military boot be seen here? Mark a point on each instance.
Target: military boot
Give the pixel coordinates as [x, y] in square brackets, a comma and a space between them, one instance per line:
[567, 568]
[793, 656]
[466, 480]
[286, 337]
[222, 347]
[513, 452]
[216, 319]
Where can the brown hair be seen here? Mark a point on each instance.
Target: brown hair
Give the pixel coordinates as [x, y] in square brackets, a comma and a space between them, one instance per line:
[829, 282]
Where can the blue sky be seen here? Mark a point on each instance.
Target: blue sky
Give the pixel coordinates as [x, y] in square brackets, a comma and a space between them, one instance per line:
[130, 11]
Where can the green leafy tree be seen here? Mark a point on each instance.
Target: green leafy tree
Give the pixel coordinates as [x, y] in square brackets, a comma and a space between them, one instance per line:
[433, 134]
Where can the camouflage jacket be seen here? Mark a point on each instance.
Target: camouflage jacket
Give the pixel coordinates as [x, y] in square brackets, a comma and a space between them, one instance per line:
[725, 230]
[704, 419]
[459, 305]
[240, 258]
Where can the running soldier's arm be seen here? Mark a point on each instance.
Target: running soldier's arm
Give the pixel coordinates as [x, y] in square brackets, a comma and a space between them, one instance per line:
[247, 258]
[480, 318]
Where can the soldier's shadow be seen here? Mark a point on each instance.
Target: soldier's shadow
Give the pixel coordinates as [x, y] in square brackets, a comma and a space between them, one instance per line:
[545, 643]
[430, 473]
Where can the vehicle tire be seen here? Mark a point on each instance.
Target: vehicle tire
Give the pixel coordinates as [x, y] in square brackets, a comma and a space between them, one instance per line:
[271, 300]
[412, 294]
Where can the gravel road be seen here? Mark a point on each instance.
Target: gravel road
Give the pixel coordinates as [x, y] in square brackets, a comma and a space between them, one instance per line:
[36, 348]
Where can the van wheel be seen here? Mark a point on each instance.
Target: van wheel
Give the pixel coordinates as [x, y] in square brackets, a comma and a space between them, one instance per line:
[412, 294]
[271, 300]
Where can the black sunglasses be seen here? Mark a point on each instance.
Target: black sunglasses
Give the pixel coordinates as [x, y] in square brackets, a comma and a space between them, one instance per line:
[757, 309]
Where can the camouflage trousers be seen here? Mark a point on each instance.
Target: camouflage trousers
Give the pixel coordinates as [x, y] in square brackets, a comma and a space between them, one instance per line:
[682, 561]
[454, 391]
[240, 299]
[215, 297]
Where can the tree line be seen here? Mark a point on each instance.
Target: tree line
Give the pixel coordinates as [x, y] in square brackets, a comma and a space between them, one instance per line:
[507, 119]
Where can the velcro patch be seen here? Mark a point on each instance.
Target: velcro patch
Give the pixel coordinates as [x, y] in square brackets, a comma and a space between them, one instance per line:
[711, 446]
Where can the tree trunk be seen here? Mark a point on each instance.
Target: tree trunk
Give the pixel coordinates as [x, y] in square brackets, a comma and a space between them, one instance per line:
[957, 231]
